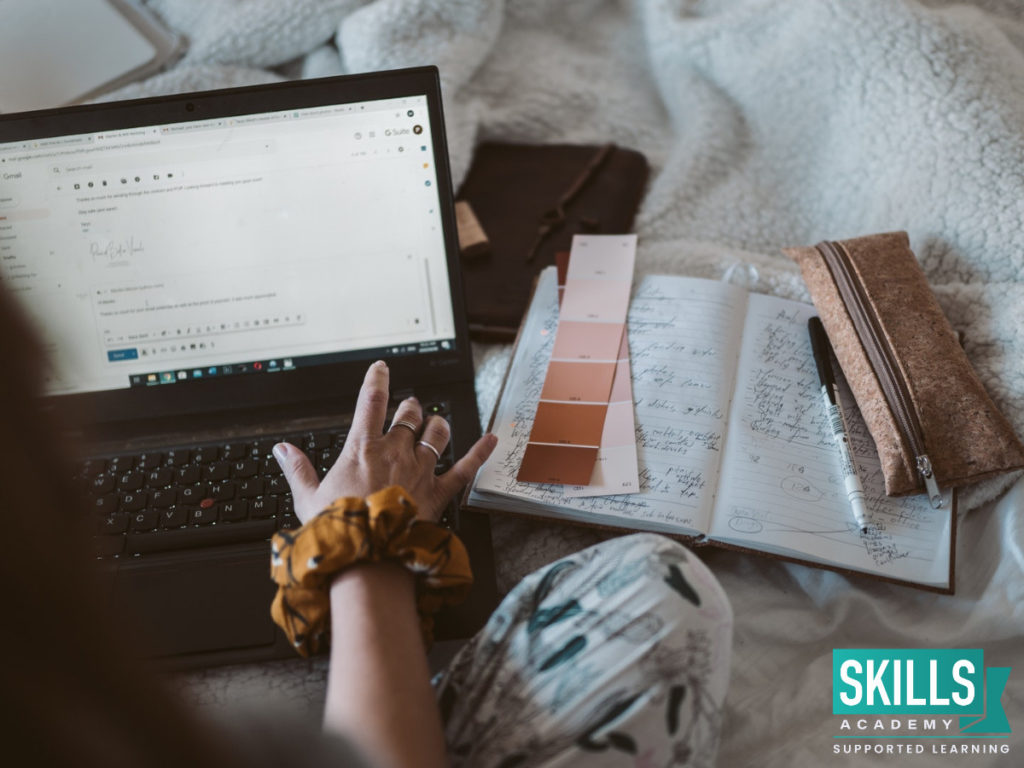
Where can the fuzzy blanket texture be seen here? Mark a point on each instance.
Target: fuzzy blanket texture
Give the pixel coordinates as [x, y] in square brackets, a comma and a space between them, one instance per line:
[767, 123]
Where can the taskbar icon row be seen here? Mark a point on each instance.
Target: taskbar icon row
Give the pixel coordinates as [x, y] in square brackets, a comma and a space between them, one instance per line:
[157, 378]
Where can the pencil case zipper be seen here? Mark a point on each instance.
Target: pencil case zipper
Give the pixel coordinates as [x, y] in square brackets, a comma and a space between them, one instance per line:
[882, 359]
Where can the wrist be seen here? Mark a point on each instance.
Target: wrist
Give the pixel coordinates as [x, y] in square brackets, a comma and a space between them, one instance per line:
[369, 579]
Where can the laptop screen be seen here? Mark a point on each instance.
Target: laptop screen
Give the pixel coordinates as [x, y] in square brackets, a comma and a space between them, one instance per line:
[253, 244]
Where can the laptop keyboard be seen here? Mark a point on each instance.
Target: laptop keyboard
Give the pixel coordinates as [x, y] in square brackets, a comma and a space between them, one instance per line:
[207, 494]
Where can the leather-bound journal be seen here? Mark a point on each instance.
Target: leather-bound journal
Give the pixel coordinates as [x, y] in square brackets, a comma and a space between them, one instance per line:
[530, 200]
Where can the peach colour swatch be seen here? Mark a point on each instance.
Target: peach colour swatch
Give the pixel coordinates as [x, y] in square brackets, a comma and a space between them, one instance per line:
[571, 424]
[587, 341]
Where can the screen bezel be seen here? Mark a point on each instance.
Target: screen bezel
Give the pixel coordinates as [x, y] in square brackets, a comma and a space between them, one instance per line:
[317, 383]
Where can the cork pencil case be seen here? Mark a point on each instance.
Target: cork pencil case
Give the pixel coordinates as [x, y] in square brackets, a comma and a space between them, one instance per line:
[933, 423]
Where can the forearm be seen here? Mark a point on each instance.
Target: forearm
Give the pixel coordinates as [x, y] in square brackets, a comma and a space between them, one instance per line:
[378, 689]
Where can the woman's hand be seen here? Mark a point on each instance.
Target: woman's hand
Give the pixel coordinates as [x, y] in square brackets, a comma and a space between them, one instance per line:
[372, 460]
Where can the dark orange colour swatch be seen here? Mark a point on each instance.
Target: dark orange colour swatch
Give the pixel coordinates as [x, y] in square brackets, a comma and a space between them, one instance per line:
[562, 464]
[586, 382]
[569, 423]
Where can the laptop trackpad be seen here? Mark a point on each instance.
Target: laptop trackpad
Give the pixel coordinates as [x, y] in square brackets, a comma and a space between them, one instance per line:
[206, 601]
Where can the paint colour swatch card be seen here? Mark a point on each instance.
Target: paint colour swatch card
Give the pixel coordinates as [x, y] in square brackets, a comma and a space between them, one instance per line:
[616, 470]
[569, 425]
[732, 442]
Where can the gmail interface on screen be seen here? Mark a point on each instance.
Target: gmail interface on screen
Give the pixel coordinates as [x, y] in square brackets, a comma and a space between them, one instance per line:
[244, 244]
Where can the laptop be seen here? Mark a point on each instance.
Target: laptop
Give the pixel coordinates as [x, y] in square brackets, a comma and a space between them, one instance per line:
[211, 273]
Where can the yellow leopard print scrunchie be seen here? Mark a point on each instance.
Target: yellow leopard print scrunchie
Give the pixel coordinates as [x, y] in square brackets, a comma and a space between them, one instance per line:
[381, 527]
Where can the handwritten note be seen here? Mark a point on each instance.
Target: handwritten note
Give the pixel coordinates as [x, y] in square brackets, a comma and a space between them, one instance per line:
[781, 487]
[683, 339]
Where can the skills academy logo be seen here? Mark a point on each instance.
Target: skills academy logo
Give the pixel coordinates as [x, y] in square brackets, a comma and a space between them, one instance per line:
[918, 701]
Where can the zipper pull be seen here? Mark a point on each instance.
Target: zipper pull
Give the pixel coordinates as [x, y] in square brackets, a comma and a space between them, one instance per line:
[924, 466]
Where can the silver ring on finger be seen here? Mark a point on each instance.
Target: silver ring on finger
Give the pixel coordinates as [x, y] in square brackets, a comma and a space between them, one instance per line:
[433, 450]
[403, 423]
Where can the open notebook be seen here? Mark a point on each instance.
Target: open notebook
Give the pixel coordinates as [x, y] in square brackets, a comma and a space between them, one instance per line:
[734, 447]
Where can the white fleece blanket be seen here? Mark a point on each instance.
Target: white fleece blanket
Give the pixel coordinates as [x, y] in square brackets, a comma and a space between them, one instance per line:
[767, 123]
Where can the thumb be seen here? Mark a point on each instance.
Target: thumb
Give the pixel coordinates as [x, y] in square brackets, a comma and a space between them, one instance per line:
[298, 472]
[465, 469]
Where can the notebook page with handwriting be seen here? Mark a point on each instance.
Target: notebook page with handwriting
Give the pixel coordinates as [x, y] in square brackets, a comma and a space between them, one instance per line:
[684, 337]
[781, 488]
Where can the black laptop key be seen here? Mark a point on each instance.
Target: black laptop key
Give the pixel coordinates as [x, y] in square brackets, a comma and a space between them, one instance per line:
[150, 460]
[193, 494]
[276, 484]
[233, 511]
[178, 457]
[270, 467]
[160, 478]
[234, 451]
[189, 474]
[163, 498]
[249, 487]
[102, 484]
[204, 515]
[218, 470]
[263, 507]
[222, 491]
[205, 536]
[105, 505]
[121, 464]
[243, 469]
[173, 518]
[206, 455]
[132, 502]
[145, 521]
[288, 523]
[315, 441]
[131, 481]
[323, 463]
[263, 448]
[114, 523]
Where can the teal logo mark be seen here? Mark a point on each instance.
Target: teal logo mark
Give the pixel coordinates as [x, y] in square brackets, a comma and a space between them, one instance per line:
[890, 681]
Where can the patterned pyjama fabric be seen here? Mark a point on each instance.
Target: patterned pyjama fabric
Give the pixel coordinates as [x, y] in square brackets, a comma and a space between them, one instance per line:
[617, 655]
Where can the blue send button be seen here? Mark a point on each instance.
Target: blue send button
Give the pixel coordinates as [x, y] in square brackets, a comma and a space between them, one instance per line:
[114, 355]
